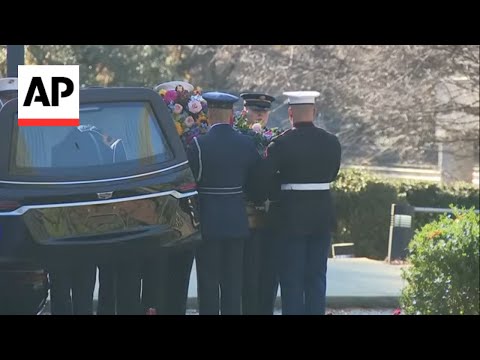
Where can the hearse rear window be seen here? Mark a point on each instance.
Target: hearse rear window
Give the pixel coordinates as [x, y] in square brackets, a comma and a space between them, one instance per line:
[109, 133]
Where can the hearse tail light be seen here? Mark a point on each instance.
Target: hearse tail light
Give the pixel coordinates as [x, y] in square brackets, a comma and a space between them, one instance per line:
[187, 187]
[8, 205]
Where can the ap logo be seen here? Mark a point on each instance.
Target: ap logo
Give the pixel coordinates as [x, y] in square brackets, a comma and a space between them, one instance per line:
[48, 95]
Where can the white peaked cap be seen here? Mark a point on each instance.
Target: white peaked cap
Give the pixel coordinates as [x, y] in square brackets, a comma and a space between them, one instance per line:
[10, 83]
[301, 97]
[171, 85]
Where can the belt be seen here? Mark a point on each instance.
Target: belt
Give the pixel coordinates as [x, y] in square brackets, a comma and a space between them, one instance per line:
[220, 190]
[321, 186]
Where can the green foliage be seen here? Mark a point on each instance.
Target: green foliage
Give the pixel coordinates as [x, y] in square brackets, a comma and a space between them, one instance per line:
[352, 180]
[443, 273]
[106, 65]
[439, 196]
[363, 204]
[364, 217]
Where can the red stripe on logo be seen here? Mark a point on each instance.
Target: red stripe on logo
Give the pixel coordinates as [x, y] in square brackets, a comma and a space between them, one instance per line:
[48, 122]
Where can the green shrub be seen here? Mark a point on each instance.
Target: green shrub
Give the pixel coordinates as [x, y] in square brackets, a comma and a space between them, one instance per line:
[363, 202]
[364, 218]
[351, 180]
[443, 273]
[439, 196]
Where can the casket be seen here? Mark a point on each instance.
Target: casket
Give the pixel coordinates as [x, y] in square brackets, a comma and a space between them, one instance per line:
[256, 215]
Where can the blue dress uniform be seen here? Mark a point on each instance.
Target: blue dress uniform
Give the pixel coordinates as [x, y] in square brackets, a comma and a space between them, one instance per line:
[223, 162]
[260, 275]
[306, 160]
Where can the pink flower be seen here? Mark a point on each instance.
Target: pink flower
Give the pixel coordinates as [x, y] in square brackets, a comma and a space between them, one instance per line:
[194, 106]
[170, 95]
[178, 109]
[189, 121]
[397, 312]
[151, 311]
[257, 128]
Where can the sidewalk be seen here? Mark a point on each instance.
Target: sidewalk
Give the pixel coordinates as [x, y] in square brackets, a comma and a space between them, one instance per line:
[351, 282]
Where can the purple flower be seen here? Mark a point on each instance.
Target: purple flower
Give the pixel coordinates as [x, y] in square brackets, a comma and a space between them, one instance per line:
[170, 95]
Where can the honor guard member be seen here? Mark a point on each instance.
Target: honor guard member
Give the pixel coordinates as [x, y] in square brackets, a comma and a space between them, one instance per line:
[307, 160]
[176, 85]
[8, 90]
[257, 107]
[84, 145]
[222, 161]
[260, 283]
[166, 273]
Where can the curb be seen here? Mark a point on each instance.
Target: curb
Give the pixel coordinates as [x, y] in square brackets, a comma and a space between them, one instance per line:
[367, 302]
[337, 302]
[333, 302]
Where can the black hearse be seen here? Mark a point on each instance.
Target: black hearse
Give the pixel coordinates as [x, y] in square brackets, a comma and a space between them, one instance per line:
[120, 180]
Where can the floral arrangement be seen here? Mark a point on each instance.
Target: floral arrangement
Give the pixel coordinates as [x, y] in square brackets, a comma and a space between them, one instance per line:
[189, 112]
[262, 136]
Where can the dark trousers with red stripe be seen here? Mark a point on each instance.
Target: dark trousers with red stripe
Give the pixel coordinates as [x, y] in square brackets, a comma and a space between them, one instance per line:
[303, 273]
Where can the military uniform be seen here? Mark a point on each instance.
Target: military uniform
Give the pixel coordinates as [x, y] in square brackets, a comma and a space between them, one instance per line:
[72, 282]
[166, 273]
[306, 160]
[222, 162]
[76, 272]
[260, 257]
[8, 89]
[166, 277]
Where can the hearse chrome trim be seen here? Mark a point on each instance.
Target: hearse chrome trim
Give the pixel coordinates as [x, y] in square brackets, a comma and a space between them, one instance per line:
[23, 209]
[91, 181]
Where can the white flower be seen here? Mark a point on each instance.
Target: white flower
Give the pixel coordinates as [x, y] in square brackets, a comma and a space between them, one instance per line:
[257, 128]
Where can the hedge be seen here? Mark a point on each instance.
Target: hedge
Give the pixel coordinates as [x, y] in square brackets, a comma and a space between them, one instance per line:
[443, 275]
[363, 202]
